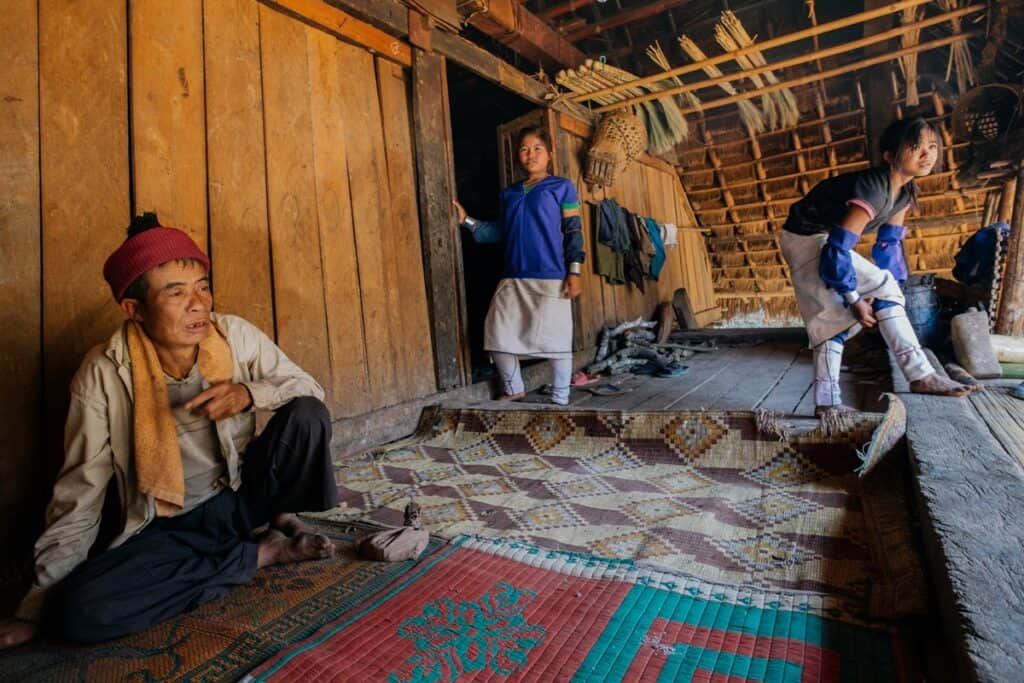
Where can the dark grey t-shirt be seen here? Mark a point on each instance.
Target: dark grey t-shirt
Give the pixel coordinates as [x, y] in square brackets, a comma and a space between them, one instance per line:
[197, 437]
[828, 202]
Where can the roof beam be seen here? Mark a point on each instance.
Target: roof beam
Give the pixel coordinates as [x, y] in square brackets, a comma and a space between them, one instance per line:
[558, 10]
[513, 25]
[623, 18]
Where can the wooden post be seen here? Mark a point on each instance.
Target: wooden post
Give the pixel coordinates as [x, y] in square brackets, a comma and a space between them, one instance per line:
[442, 252]
[1006, 200]
[1011, 305]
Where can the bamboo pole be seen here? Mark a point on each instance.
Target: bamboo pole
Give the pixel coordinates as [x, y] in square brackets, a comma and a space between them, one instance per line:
[810, 78]
[1006, 200]
[785, 40]
[1011, 304]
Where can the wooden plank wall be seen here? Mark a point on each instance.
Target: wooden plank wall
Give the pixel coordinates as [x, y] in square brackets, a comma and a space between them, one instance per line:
[650, 189]
[283, 150]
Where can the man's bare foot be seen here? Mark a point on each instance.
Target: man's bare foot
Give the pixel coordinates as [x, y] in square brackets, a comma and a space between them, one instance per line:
[14, 632]
[290, 524]
[938, 385]
[513, 397]
[822, 411]
[276, 548]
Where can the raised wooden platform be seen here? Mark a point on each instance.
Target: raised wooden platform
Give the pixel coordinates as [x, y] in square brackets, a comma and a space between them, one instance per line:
[966, 456]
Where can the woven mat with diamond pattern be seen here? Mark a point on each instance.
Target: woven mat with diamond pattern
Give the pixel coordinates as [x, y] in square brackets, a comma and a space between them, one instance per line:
[701, 492]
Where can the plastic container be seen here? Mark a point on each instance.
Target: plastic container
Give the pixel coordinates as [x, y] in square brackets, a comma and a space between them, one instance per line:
[973, 345]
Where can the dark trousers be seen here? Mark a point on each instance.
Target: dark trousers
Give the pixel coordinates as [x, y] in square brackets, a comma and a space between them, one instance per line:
[177, 563]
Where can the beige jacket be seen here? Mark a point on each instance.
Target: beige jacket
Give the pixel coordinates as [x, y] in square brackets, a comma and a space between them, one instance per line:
[98, 445]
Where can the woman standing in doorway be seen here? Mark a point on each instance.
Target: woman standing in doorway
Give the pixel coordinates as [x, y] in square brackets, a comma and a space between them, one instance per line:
[838, 291]
[531, 311]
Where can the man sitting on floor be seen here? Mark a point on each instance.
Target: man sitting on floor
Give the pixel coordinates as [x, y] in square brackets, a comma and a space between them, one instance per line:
[166, 409]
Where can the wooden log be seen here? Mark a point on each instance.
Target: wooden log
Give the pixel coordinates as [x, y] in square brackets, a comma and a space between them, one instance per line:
[442, 258]
[1011, 305]
[21, 334]
[168, 113]
[294, 238]
[792, 83]
[236, 162]
[84, 181]
[348, 28]
[348, 385]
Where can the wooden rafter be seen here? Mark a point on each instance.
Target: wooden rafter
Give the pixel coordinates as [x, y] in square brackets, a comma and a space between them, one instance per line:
[624, 18]
[773, 43]
[810, 78]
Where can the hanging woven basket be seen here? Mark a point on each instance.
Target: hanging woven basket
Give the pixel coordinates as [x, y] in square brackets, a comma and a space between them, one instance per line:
[988, 113]
[618, 138]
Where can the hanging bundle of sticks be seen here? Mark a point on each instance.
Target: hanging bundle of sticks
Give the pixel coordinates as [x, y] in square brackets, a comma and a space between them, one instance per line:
[749, 114]
[908, 63]
[666, 126]
[779, 107]
[960, 60]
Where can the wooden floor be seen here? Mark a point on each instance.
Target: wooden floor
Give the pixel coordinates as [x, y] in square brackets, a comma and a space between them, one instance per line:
[774, 374]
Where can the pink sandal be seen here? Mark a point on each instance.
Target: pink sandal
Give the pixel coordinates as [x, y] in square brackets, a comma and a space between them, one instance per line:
[582, 379]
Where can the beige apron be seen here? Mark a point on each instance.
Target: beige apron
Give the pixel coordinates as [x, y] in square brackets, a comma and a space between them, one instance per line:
[822, 308]
[529, 317]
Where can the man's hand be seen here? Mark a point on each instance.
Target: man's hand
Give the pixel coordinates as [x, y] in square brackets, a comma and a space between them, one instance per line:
[863, 313]
[572, 287]
[221, 401]
[14, 632]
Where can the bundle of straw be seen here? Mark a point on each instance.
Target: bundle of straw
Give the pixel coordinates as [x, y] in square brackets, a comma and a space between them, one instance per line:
[908, 63]
[689, 99]
[748, 112]
[666, 125]
[960, 59]
[780, 107]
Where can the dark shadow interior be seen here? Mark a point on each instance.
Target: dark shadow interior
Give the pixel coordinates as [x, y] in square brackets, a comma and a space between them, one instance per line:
[478, 107]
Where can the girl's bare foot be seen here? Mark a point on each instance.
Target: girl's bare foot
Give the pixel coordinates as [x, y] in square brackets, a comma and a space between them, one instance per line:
[276, 548]
[290, 524]
[938, 385]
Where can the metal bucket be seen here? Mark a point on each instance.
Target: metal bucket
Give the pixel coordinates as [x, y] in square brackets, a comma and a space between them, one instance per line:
[923, 310]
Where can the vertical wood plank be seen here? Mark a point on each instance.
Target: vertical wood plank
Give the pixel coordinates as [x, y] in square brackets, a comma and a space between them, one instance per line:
[371, 213]
[393, 85]
[236, 163]
[441, 247]
[168, 110]
[294, 235]
[20, 290]
[349, 379]
[83, 106]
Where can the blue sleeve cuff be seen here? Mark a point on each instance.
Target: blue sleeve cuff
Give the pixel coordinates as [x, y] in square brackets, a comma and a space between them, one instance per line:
[891, 233]
[836, 265]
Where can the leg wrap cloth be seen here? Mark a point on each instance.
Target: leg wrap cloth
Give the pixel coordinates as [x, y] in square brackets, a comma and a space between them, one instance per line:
[512, 376]
[828, 359]
[902, 341]
[508, 368]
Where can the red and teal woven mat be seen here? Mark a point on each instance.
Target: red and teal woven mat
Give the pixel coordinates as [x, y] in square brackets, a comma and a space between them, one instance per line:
[501, 609]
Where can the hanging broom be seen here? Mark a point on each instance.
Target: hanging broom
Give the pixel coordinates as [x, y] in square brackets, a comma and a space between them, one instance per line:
[670, 126]
[781, 104]
[749, 114]
[690, 100]
[908, 63]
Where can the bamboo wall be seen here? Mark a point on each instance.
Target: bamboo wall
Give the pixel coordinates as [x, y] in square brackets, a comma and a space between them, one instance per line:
[282, 150]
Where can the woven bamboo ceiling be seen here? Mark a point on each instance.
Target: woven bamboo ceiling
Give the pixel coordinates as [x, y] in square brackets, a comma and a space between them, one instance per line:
[742, 171]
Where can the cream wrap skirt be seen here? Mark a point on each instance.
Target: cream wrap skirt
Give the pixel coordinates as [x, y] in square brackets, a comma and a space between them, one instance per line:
[822, 308]
[529, 317]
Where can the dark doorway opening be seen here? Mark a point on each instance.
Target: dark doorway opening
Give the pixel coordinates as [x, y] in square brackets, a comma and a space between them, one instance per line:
[477, 109]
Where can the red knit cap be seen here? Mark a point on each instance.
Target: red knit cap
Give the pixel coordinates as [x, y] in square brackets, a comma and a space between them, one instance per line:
[145, 250]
